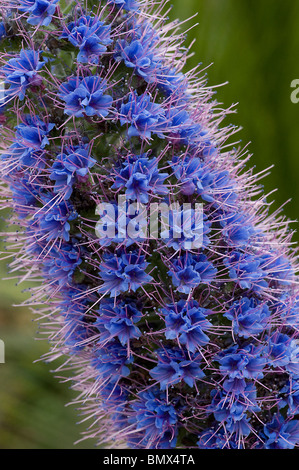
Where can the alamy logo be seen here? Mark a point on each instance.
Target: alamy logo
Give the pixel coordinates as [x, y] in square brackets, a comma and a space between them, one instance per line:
[2, 352]
[176, 224]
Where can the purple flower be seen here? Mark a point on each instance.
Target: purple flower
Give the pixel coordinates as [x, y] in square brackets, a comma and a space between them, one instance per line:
[61, 264]
[53, 220]
[187, 321]
[129, 5]
[33, 132]
[111, 362]
[85, 96]
[238, 364]
[237, 228]
[281, 434]
[247, 270]
[72, 164]
[123, 272]
[137, 56]
[189, 271]
[118, 320]
[2, 30]
[249, 317]
[175, 366]
[155, 419]
[21, 72]
[183, 339]
[41, 11]
[140, 177]
[92, 37]
[142, 115]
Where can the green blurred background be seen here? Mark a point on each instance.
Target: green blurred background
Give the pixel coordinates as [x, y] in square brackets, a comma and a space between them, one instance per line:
[254, 45]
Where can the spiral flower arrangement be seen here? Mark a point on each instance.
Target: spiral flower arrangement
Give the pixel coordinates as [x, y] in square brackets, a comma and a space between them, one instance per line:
[186, 340]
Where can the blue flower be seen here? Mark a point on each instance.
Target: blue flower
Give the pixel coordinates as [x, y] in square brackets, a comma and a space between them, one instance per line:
[287, 309]
[246, 270]
[190, 173]
[222, 190]
[118, 320]
[171, 82]
[24, 194]
[195, 176]
[290, 393]
[18, 156]
[33, 132]
[90, 35]
[189, 271]
[111, 362]
[145, 32]
[141, 178]
[85, 95]
[278, 267]
[129, 5]
[123, 272]
[33, 158]
[2, 30]
[143, 116]
[211, 439]
[249, 317]
[54, 219]
[41, 11]
[283, 351]
[187, 321]
[278, 349]
[206, 348]
[76, 160]
[240, 428]
[183, 130]
[281, 434]
[72, 164]
[21, 72]
[114, 397]
[175, 366]
[156, 419]
[238, 364]
[137, 55]
[236, 407]
[237, 228]
[75, 335]
[61, 263]
[63, 178]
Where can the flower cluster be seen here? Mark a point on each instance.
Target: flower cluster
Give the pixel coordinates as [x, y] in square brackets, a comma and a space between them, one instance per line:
[140, 177]
[186, 336]
[21, 72]
[85, 96]
[90, 35]
[40, 11]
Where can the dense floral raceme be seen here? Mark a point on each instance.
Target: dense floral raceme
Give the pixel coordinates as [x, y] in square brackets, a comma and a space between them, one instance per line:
[188, 339]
